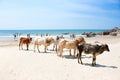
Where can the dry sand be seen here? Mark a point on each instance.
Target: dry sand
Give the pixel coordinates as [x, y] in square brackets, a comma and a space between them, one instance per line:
[27, 65]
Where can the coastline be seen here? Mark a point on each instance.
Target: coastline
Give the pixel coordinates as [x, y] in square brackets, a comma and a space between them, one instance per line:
[8, 34]
[103, 39]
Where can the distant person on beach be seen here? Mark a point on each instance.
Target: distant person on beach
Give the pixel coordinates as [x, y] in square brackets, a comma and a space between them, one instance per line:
[46, 34]
[28, 35]
[15, 36]
[42, 35]
[72, 36]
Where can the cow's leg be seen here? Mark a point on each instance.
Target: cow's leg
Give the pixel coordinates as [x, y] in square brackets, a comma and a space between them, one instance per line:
[58, 50]
[94, 60]
[53, 47]
[45, 48]
[61, 51]
[38, 48]
[74, 52]
[34, 47]
[56, 47]
[21, 46]
[79, 57]
[27, 46]
[70, 51]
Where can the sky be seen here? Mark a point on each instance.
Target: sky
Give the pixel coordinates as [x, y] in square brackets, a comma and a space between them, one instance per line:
[59, 14]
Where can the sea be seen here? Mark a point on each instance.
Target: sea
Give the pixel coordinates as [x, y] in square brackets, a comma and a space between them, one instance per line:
[9, 34]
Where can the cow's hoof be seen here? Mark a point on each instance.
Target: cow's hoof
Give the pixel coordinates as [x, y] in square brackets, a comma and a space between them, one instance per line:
[93, 64]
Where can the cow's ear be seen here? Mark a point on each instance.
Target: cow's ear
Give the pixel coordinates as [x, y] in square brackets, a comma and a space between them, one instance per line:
[106, 45]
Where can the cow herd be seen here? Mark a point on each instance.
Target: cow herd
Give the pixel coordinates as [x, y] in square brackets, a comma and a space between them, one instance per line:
[60, 43]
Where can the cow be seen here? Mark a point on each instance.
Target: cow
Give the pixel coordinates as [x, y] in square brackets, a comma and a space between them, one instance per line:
[56, 39]
[93, 49]
[46, 41]
[69, 44]
[24, 40]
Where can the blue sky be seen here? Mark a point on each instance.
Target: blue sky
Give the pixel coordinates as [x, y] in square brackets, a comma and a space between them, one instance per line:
[59, 14]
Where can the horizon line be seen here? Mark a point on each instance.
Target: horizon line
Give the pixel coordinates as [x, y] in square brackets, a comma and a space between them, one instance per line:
[59, 29]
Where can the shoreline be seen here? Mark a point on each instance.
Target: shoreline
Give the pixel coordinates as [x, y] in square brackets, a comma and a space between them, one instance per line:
[9, 34]
[103, 39]
[67, 33]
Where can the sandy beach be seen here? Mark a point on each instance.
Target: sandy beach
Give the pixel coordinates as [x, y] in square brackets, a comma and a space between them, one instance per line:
[18, 64]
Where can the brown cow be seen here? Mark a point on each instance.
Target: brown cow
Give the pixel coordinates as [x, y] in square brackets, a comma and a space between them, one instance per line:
[26, 41]
[69, 44]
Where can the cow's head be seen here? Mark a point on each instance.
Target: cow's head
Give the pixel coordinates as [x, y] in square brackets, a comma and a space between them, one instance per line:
[80, 40]
[30, 39]
[59, 37]
[106, 48]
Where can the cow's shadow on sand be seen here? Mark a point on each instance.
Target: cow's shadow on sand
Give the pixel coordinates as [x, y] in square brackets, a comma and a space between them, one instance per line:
[41, 52]
[69, 57]
[100, 65]
[72, 56]
[90, 64]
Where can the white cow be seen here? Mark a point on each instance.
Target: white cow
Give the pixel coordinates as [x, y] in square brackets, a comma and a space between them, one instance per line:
[46, 41]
